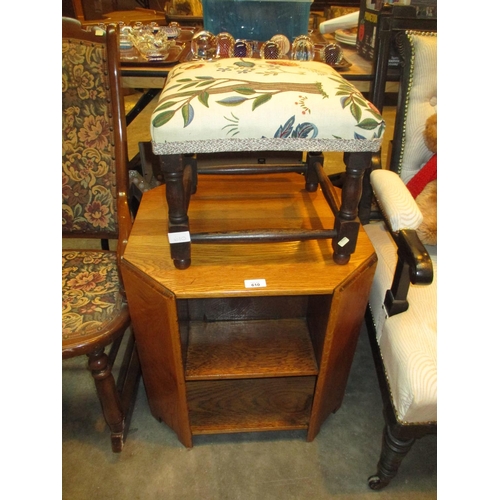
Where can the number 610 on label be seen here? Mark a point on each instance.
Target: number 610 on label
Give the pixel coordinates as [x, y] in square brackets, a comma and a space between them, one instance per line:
[258, 283]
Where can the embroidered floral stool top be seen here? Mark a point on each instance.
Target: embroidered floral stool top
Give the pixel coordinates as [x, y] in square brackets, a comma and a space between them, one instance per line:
[234, 105]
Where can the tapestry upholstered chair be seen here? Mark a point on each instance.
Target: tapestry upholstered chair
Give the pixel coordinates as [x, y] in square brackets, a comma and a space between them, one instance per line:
[402, 312]
[94, 205]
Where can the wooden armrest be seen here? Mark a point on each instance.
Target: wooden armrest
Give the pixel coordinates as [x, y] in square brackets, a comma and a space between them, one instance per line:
[414, 252]
[414, 266]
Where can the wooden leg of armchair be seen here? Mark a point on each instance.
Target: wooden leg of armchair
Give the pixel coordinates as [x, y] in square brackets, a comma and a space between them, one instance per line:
[393, 452]
[108, 396]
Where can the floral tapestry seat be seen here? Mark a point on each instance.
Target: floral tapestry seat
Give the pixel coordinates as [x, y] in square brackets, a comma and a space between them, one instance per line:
[237, 105]
[91, 293]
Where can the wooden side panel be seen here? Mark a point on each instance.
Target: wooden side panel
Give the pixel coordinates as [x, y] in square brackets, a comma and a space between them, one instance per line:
[346, 316]
[154, 317]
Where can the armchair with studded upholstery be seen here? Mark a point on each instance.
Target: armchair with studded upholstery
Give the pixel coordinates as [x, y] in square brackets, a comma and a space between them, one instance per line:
[402, 312]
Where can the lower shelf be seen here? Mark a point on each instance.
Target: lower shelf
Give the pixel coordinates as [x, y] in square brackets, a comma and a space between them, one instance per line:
[250, 405]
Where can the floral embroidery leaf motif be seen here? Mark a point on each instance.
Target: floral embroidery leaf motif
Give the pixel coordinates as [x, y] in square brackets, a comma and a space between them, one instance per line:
[302, 130]
[203, 98]
[187, 114]
[245, 90]
[236, 90]
[245, 64]
[357, 106]
[204, 86]
[166, 105]
[232, 100]
[286, 129]
[261, 100]
[232, 126]
[368, 124]
[163, 118]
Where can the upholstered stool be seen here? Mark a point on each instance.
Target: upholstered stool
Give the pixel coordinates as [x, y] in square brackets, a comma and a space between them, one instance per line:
[238, 105]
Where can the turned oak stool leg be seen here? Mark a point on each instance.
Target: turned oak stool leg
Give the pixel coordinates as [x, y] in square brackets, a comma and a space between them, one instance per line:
[346, 221]
[312, 179]
[108, 396]
[178, 174]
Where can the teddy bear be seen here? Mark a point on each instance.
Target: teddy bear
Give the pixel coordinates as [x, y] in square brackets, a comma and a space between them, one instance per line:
[423, 186]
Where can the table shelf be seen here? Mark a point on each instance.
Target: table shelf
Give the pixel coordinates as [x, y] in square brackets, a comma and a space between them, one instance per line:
[249, 349]
[250, 404]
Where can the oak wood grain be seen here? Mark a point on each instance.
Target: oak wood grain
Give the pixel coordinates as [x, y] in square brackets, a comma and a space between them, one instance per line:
[154, 316]
[250, 405]
[244, 202]
[249, 349]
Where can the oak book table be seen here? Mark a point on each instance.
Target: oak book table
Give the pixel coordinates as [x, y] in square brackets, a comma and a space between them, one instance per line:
[250, 337]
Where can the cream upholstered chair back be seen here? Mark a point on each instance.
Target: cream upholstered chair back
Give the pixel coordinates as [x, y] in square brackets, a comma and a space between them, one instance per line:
[419, 92]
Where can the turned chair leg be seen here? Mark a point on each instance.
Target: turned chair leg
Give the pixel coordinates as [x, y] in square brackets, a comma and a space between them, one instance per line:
[108, 396]
[180, 174]
[346, 221]
[311, 175]
[394, 450]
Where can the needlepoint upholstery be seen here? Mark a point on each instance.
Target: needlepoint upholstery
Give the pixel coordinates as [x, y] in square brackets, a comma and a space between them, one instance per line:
[88, 159]
[262, 105]
[92, 298]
